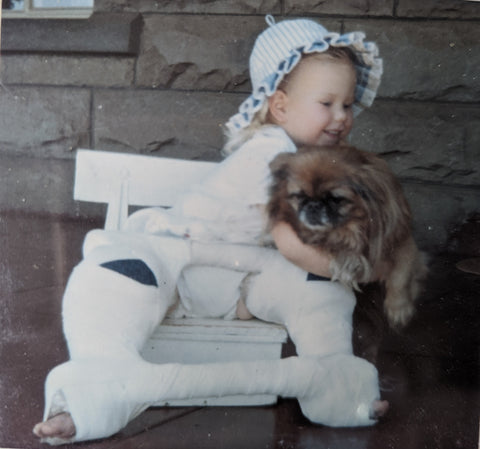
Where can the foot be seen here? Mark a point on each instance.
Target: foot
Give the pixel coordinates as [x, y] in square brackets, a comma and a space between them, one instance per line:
[242, 312]
[379, 409]
[59, 426]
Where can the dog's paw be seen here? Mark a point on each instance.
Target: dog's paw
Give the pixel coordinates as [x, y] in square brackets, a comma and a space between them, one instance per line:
[399, 311]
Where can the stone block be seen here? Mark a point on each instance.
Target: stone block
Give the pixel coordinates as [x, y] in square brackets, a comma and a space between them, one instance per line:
[340, 7]
[101, 33]
[437, 210]
[438, 8]
[35, 184]
[180, 124]
[72, 70]
[194, 6]
[44, 122]
[431, 142]
[199, 52]
[42, 185]
[426, 60]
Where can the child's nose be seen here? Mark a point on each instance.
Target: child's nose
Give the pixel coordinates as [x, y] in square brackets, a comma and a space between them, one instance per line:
[339, 114]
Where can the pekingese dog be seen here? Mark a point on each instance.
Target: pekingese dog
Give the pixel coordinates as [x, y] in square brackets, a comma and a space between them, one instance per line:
[348, 203]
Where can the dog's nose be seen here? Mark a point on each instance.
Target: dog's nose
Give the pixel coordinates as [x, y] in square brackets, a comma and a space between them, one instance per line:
[315, 213]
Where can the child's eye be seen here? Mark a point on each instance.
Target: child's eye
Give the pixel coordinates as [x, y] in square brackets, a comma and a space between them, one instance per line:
[326, 103]
[347, 106]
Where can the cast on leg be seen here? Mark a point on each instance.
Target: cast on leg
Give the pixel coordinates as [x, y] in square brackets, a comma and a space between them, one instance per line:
[331, 390]
[108, 317]
[106, 314]
[317, 314]
[318, 317]
[103, 394]
[335, 390]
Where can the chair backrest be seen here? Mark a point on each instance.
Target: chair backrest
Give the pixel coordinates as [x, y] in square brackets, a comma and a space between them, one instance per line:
[122, 180]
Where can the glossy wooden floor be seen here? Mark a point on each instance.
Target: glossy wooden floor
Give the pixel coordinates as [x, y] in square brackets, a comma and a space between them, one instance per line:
[429, 371]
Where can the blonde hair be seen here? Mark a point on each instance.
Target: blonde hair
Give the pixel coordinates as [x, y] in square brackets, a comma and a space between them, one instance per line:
[236, 138]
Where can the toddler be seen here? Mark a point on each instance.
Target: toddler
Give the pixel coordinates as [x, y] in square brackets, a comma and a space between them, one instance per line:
[307, 85]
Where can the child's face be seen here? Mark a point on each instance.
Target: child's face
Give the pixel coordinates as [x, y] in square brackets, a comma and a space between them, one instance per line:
[317, 102]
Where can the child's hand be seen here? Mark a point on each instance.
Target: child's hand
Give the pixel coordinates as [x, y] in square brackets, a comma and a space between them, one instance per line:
[161, 222]
[304, 256]
[158, 221]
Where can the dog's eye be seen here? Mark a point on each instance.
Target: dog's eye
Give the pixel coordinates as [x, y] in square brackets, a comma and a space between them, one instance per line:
[296, 196]
[334, 199]
[337, 200]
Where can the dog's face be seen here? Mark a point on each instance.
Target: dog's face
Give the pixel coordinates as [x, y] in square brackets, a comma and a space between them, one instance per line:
[319, 206]
[316, 193]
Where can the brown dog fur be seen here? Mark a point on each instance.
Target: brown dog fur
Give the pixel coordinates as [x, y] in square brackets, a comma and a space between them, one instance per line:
[349, 204]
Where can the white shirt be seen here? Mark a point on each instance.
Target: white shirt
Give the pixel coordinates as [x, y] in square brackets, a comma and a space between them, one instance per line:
[230, 196]
[227, 202]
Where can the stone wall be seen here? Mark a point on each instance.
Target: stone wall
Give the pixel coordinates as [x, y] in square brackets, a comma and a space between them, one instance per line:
[160, 77]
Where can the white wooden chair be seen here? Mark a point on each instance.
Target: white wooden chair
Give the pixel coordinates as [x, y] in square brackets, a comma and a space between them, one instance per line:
[122, 180]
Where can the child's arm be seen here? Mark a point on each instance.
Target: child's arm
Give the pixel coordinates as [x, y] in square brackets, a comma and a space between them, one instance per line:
[304, 256]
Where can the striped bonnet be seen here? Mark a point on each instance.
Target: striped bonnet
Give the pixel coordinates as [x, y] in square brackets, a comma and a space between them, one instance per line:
[279, 48]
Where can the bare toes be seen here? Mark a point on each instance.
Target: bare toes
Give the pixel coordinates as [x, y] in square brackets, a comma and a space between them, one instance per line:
[379, 409]
[59, 426]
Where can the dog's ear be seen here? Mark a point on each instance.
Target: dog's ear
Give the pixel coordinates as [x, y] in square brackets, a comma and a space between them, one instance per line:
[364, 192]
[280, 166]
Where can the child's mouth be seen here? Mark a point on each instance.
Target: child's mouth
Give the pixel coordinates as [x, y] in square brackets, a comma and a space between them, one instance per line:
[333, 135]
